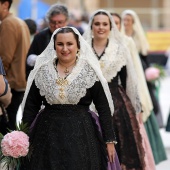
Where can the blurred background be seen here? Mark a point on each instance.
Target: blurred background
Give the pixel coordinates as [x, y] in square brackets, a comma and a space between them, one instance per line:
[154, 16]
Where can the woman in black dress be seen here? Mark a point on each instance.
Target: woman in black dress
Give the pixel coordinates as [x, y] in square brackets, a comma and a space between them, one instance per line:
[117, 68]
[67, 80]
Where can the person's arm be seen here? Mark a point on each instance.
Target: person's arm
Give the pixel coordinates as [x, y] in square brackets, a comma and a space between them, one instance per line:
[2, 85]
[6, 99]
[6, 87]
[3, 81]
[101, 103]
[32, 55]
[37, 46]
[32, 105]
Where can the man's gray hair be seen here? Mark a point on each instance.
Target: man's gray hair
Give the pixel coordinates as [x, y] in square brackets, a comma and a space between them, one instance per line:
[57, 9]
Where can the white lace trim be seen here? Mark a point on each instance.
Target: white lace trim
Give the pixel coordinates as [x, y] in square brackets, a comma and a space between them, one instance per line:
[82, 78]
[86, 54]
[116, 56]
[112, 61]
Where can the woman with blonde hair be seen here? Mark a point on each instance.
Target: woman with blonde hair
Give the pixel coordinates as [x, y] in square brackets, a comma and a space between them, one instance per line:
[67, 78]
[117, 67]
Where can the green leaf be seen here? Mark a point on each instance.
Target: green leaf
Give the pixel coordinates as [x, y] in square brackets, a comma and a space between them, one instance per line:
[23, 127]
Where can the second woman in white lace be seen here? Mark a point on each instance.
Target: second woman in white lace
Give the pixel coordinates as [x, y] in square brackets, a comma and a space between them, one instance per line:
[117, 68]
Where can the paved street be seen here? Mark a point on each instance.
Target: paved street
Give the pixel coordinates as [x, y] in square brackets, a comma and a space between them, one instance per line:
[165, 106]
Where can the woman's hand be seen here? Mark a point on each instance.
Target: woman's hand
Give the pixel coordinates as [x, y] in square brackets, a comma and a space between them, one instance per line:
[111, 151]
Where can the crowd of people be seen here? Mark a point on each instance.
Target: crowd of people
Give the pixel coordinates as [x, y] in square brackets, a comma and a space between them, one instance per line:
[83, 90]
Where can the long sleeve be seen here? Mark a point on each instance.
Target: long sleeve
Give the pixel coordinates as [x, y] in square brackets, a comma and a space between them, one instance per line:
[102, 106]
[3, 81]
[2, 71]
[33, 50]
[38, 45]
[123, 76]
[32, 105]
[6, 98]
[144, 95]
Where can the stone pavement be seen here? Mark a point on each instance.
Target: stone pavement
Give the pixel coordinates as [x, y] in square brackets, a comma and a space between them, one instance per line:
[165, 107]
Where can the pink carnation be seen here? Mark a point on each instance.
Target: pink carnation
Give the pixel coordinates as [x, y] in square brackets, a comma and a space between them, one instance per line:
[152, 73]
[15, 144]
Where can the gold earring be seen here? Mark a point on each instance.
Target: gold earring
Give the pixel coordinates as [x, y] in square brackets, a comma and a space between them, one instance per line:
[78, 53]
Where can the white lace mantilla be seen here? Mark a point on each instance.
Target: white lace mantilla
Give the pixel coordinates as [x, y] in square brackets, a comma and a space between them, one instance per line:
[82, 78]
[115, 57]
[112, 61]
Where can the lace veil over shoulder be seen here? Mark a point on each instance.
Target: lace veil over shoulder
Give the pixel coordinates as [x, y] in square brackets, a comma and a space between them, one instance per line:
[116, 56]
[86, 55]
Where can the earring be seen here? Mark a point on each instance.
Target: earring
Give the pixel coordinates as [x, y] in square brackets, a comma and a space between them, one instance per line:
[78, 53]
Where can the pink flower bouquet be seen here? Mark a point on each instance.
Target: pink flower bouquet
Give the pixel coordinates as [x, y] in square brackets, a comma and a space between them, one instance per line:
[14, 146]
[152, 73]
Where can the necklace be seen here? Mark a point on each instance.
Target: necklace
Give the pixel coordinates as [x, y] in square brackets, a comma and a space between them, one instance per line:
[61, 82]
[66, 71]
[99, 56]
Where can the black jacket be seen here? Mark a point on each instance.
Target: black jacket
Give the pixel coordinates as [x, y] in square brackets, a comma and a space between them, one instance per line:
[38, 45]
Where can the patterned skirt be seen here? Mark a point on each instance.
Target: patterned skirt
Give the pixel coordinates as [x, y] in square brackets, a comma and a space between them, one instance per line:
[129, 148]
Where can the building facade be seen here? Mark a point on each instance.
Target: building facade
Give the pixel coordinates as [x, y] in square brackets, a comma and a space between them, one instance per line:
[154, 14]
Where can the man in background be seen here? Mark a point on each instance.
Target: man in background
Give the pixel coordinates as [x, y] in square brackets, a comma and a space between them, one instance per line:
[57, 17]
[14, 45]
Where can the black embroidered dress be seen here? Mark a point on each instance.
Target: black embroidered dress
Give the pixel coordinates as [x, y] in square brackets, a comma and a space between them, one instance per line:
[65, 136]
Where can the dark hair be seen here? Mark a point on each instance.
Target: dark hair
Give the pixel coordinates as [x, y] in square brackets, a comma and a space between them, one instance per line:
[117, 15]
[31, 25]
[57, 9]
[9, 1]
[67, 30]
[102, 13]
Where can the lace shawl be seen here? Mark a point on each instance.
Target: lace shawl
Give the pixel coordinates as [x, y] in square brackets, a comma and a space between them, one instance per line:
[144, 95]
[86, 54]
[116, 56]
[82, 78]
